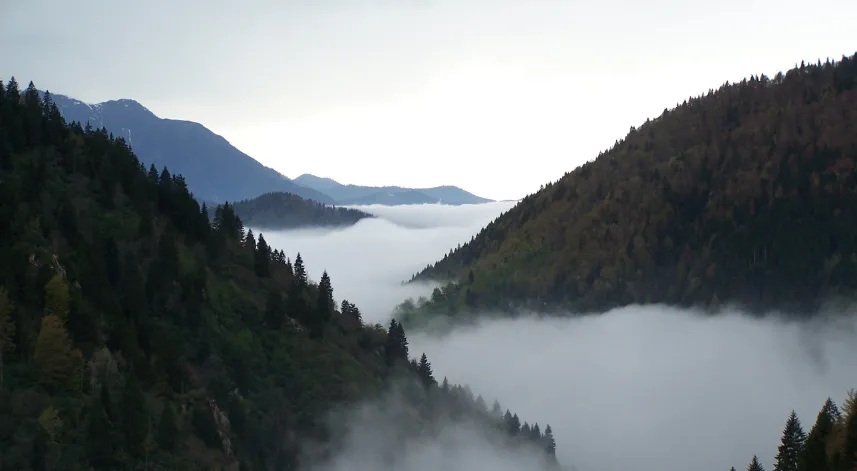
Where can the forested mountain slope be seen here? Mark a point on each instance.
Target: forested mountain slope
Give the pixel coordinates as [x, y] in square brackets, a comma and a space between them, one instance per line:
[289, 211]
[214, 169]
[135, 333]
[746, 194]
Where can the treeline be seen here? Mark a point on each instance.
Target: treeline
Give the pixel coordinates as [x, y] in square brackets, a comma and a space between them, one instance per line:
[746, 194]
[138, 332]
[830, 445]
[281, 210]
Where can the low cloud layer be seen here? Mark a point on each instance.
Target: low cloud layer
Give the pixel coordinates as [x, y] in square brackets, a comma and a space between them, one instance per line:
[368, 261]
[652, 388]
[643, 388]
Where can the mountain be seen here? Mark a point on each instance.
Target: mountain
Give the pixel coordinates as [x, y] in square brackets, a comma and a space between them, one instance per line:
[279, 211]
[136, 333]
[746, 194]
[388, 195]
[214, 169]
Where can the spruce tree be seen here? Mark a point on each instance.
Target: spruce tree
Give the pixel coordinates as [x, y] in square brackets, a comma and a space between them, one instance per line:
[424, 371]
[300, 271]
[791, 446]
[52, 357]
[274, 310]
[814, 456]
[262, 258]
[550, 443]
[755, 465]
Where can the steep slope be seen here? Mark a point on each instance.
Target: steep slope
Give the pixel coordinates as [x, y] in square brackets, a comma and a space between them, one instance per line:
[288, 211]
[214, 169]
[746, 194]
[388, 195]
[135, 333]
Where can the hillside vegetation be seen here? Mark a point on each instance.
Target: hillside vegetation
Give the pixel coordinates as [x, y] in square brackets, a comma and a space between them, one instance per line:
[289, 211]
[746, 194]
[136, 333]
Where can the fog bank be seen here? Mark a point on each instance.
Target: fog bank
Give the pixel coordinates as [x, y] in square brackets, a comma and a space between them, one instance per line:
[368, 261]
[652, 388]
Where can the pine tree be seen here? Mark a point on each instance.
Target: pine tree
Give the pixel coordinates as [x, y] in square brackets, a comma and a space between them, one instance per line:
[57, 298]
[791, 446]
[755, 465]
[550, 443]
[7, 328]
[424, 371]
[250, 240]
[13, 94]
[814, 456]
[300, 271]
[262, 258]
[52, 356]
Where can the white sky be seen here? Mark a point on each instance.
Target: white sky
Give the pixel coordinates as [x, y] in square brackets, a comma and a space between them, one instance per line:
[497, 97]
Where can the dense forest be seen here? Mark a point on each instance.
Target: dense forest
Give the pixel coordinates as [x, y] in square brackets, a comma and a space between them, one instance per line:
[288, 211]
[746, 194]
[830, 445]
[136, 332]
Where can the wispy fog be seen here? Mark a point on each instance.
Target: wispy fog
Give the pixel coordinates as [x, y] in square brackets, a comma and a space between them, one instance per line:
[376, 436]
[368, 261]
[643, 388]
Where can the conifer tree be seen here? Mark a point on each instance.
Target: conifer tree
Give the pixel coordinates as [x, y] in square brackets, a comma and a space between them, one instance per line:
[755, 465]
[550, 443]
[262, 258]
[52, 357]
[424, 371]
[791, 446]
[7, 328]
[250, 240]
[13, 94]
[814, 456]
[300, 271]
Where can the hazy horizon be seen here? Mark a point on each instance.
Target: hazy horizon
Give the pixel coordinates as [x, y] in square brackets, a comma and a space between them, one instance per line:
[496, 97]
[641, 387]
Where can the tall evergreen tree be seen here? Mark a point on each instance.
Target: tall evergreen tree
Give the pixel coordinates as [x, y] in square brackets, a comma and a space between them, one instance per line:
[549, 441]
[755, 465]
[814, 456]
[791, 446]
[53, 358]
[424, 371]
[262, 258]
[300, 271]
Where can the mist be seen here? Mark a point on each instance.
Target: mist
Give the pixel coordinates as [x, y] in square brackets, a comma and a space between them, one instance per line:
[367, 262]
[641, 387]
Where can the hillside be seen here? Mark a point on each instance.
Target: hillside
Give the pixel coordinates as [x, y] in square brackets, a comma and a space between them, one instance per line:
[214, 169]
[388, 195]
[136, 333]
[288, 211]
[746, 194]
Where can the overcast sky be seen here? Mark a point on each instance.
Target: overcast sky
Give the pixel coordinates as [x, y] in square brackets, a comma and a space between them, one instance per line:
[495, 96]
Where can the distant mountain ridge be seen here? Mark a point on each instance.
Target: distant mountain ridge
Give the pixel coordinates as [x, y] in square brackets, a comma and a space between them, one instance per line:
[388, 195]
[214, 169]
